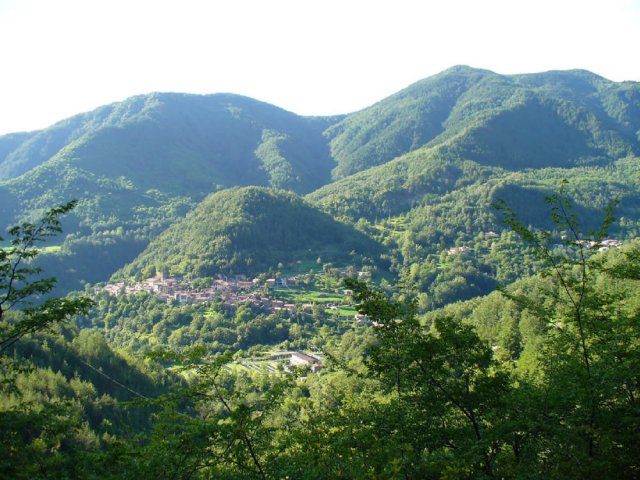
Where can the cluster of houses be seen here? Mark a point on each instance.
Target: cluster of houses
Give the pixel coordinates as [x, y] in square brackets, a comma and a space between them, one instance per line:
[232, 293]
[602, 245]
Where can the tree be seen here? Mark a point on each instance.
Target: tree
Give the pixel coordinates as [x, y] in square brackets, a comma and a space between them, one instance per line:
[19, 289]
[32, 434]
[218, 426]
[448, 394]
[586, 411]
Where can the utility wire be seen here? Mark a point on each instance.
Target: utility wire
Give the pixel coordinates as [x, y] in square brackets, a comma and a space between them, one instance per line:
[113, 379]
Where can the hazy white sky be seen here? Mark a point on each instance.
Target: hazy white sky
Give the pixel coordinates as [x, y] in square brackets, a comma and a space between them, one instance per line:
[312, 57]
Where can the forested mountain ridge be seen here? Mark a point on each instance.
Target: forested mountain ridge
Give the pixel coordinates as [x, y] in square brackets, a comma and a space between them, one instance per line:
[140, 165]
[423, 208]
[203, 140]
[515, 121]
[249, 230]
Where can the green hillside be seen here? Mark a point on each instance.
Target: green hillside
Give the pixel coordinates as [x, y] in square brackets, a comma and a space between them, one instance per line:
[8, 145]
[519, 121]
[69, 396]
[203, 140]
[423, 204]
[150, 151]
[140, 165]
[492, 332]
[248, 231]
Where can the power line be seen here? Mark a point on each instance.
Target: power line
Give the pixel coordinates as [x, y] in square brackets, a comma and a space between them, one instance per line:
[113, 379]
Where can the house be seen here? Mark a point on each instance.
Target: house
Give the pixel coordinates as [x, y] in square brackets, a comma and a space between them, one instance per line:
[184, 297]
[220, 285]
[611, 242]
[587, 243]
[463, 250]
[152, 285]
[115, 289]
[302, 359]
[299, 359]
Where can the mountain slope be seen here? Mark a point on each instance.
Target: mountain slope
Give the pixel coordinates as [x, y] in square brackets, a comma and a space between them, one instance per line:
[248, 231]
[517, 121]
[399, 123]
[155, 139]
[437, 218]
[140, 165]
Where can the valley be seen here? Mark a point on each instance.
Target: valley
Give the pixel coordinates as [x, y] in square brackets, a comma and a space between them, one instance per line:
[456, 263]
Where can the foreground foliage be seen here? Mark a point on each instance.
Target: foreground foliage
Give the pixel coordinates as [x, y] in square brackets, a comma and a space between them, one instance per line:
[56, 403]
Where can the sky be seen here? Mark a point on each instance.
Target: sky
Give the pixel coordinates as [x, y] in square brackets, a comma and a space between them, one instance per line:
[63, 57]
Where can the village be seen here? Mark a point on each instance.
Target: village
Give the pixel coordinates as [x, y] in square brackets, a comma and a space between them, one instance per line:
[258, 292]
[234, 292]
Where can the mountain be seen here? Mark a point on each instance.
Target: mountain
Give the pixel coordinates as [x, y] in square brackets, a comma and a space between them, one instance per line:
[514, 121]
[205, 140]
[437, 216]
[190, 186]
[127, 162]
[249, 230]
[426, 148]
[140, 165]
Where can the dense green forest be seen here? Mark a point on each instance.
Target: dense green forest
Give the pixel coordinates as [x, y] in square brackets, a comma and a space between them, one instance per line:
[538, 380]
[138, 166]
[249, 231]
[457, 266]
